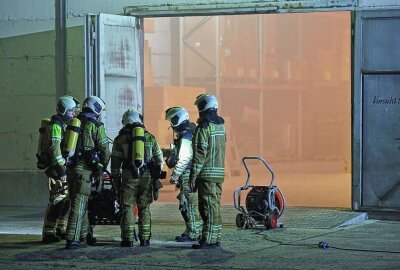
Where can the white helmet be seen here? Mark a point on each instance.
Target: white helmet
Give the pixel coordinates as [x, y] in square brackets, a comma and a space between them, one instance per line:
[95, 104]
[131, 116]
[205, 102]
[176, 116]
[66, 103]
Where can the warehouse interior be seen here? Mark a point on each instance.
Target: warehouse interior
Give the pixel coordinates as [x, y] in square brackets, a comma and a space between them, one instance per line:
[283, 82]
[284, 86]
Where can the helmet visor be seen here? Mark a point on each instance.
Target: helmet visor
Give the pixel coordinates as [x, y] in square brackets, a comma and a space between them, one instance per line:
[202, 105]
[207, 102]
[97, 107]
[78, 105]
[175, 120]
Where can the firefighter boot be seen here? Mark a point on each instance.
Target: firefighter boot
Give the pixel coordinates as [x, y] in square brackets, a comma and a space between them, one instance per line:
[50, 238]
[89, 239]
[203, 245]
[75, 245]
[126, 243]
[60, 233]
[144, 243]
[184, 237]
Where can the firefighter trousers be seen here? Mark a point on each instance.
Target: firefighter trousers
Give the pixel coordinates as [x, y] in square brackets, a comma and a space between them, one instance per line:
[209, 207]
[189, 207]
[136, 191]
[57, 209]
[79, 181]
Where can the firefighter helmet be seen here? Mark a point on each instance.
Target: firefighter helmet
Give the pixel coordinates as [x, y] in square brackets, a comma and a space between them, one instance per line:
[95, 104]
[66, 104]
[206, 102]
[131, 116]
[176, 116]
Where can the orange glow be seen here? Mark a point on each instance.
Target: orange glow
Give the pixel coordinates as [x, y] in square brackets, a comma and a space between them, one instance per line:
[284, 90]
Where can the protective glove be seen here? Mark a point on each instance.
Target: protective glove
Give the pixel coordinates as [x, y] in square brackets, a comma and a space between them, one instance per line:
[174, 179]
[156, 194]
[183, 203]
[171, 160]
[116, 182]
[192, 185]
[59, 171]
[157, 185]
[64, 179]
[60, 186]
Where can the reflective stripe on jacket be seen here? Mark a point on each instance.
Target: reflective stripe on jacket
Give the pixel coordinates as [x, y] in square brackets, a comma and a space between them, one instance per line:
[209, 145]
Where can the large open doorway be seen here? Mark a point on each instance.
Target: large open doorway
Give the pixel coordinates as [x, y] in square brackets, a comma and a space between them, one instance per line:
[284, 85]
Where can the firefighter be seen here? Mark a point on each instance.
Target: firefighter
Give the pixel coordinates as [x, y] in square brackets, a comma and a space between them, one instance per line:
[180, 160]
[51, 160]
[135, 154]
[90, 160]
[207, 170]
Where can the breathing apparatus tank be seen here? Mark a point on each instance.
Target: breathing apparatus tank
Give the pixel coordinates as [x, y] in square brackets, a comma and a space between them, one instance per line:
[71, 137]
[138, 148]
[42, 162]
[42, 130]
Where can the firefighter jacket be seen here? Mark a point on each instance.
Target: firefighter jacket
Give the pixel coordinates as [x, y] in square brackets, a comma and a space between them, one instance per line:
[184, 149]
[153, 157]
[209, 143]
[54, 137]
[92, 148]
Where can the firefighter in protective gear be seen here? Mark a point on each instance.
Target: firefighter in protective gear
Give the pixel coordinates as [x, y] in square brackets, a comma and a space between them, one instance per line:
[178, 118]
[51, 160]
[91, 157]
[207, 171]
[136, 186]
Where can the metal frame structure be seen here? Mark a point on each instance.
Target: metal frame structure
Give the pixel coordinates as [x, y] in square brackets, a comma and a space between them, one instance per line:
[61, 48]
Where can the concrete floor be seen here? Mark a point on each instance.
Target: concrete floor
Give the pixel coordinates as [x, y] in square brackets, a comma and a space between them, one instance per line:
[362, 244]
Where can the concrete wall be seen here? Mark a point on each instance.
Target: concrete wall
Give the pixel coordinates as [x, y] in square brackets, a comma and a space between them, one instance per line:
[27, 91]
[21, 17]
[76, 62]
